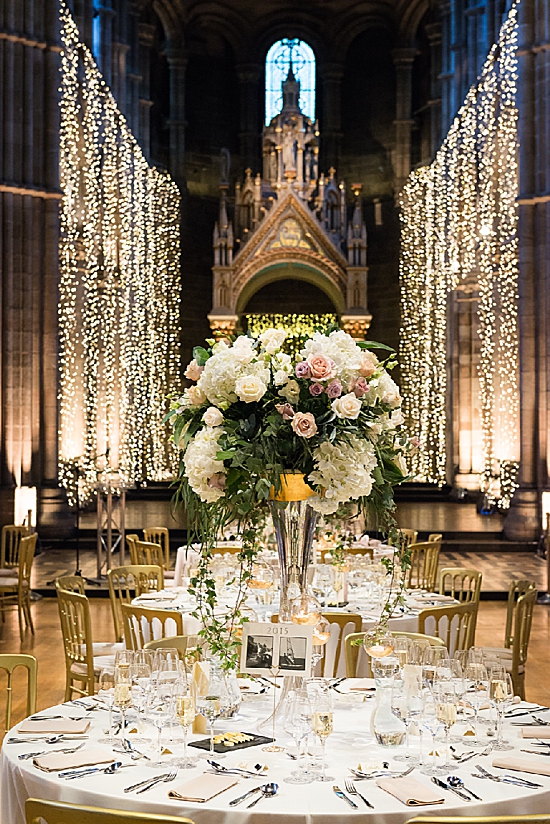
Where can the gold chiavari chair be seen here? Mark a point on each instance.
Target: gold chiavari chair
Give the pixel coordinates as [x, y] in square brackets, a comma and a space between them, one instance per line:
[461, 583]
[9, 663]
[188, 646]
[480, 819]
[159, 535]
[148, 553]
[435, 537]
[9, 548]
[71, 583]
[38, 810]
[513, 655]
[408, 537]
[139, 627]
[454, 623]
[517, 588]
[126, 583]
[423, 569]
[131, 539]
[84, 660]
[17, 588]
[351, 648]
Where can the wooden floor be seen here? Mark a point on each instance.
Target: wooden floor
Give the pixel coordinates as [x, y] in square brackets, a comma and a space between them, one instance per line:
[48, 649]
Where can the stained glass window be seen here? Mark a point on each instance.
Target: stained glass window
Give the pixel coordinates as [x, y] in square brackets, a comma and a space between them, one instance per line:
[280, 56]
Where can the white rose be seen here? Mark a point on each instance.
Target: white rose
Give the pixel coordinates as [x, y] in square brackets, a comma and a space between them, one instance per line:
[194, 396]
[212, 416]
[243, 350]
[388, 390]
[291, 391]
[401, 464]
[348, 406]
[272, 339]
[250, 388]
[280, 377]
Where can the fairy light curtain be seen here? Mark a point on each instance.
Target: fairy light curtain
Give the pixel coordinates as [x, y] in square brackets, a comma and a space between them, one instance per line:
[119, 287]
[459, 219]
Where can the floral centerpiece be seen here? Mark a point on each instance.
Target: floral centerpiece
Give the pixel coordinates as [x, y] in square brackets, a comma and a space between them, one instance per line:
[253, 414]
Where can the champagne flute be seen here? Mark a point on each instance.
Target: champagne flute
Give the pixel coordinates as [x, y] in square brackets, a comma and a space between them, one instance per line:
[213, 705]
[477, 688]
[432, 724]
[123, 691]
[446, 702]
[407, 706]
[185, 711]
[500, 692]
[106, 690]
[322, 726]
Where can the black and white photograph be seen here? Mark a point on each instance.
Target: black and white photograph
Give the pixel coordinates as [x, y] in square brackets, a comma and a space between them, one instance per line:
[292, 654]
[259, 652]
[273, 649]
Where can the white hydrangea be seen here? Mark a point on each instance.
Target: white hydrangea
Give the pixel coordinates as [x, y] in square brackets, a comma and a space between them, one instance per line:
[344, 471]
[281, 364]
[341, 348]
[201, 464]
[383, 389]
[225, 368]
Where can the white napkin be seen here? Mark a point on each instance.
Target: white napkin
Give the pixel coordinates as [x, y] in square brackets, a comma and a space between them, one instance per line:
[538, 765]
[409, 791]
[55, 762]
[204, 787]
[535, 732]
[55, 726]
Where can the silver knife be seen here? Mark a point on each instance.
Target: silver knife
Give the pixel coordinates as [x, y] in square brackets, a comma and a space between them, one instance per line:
[337, 791]
[142, 783]
[243, 797]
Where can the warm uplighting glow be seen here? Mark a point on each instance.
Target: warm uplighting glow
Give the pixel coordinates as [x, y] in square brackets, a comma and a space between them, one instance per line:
[459, 219]
[119, 288]
[25, 503]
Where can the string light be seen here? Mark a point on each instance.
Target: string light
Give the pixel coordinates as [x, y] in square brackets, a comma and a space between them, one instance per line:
[119, 288]
[298, 327]
[459, 219]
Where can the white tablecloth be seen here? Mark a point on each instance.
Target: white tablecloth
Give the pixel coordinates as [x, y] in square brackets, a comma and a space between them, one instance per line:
[315, 803]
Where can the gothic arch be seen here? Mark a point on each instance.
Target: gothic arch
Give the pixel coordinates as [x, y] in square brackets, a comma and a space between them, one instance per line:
[290, 270]
[410, 14]
[356, 23]
[224, 21]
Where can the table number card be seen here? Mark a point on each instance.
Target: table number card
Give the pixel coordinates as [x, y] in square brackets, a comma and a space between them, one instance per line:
[282, 649]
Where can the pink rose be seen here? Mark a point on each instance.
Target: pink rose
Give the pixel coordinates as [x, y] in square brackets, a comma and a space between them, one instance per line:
[367, 364]
[217, 481]
[193, 371]
[303, 423]
[315, 389]
[322, 368]
[334, 389]
[360, 387]
[286, 411]
[302, 370]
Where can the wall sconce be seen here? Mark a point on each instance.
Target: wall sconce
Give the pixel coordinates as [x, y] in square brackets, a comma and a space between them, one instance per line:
[25, 501]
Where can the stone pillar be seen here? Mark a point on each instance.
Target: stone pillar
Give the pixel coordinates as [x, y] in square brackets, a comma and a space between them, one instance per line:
[133, 73]
[104, 54]
[83, 13]
[447, 67]
[251, 114]
[403, 61]
[145, 34]
[433, 32]
[177, 62]
[331, 127]
[119, 52]
[523, 520]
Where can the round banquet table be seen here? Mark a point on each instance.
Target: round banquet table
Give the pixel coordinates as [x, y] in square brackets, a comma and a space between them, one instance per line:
[350, 744]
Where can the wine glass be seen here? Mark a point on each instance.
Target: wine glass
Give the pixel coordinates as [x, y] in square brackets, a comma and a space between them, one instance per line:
[432, 659]
[378, 642]
[213, 705]
[501, 692]
[161, 709]
[322, 726]
[106, 691]
[297, 723]
[477, 690]
[407, 705]
[184, 713]
[431, 723]
[142, 670]
[401, 650]
[123, 690]
[446, 702]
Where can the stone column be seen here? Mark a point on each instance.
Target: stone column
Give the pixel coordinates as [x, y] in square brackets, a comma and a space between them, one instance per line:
[145, 34]
[104, 10]
[119, 52]
[523, 521]
[133, 73]
[83, 13]
[251, 114]
[331, 127]
[403, 61]
[447, 67]
[433, 32]
[177, 62]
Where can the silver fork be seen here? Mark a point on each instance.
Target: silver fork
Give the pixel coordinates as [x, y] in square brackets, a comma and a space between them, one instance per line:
[26, 755]
[169, 777]
[350, 787]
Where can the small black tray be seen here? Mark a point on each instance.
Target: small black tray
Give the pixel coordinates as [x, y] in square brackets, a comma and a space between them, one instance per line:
[204, 743]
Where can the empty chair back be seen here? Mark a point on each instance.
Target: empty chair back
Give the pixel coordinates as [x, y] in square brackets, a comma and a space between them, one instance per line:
[131, 544]
[516, 589]
[126, 583]
[159, 535]
[9, 663]
[38, 810]
[423, 569]
[143, 624]
[461, 583]
[520, 641]
[71, 583]
[148, 553]
[76, 628]
[454, 624]
[408, 537]
[352, 647]
[9, 548]
[435, 537]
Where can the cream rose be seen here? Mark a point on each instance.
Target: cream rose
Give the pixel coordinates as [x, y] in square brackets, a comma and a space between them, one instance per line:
[272, 339]
[348, 406]
[195, 396]
[193, 371]
[250, 388]
[303, 423]
[291, 391]
[368, 364]
[322, 368]
[242, 350]
[212, 416]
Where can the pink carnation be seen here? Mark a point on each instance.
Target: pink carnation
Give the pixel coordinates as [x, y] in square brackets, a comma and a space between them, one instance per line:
[286, 410]
[315, 389]
[360, 387]
[302, 370]
[334, 389]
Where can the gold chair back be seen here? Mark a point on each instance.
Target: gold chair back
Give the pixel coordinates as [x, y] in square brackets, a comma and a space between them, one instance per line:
[135, 619]
[351, 649]
[148, 553]
[9, 547]
[516, 589]
[352, 550]
[159, 535]
[454, 623]
[76, 629]
[480, 819]
[126, 583]
[131, 544]
[71, 583]
[230, 550]
[423, 569]
[462, 583]
[9, 663]
[520, 642]
[408, 537]
[435, 537]
[188, 646]
[17, 589]
[38, 810]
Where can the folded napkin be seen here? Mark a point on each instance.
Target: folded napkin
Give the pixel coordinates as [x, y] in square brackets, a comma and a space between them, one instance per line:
[358, 684]
[55, 762]
[204, 787]
[539, 766]
[161, 595]
[535, 732]
[55, 726]
[409, 791]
